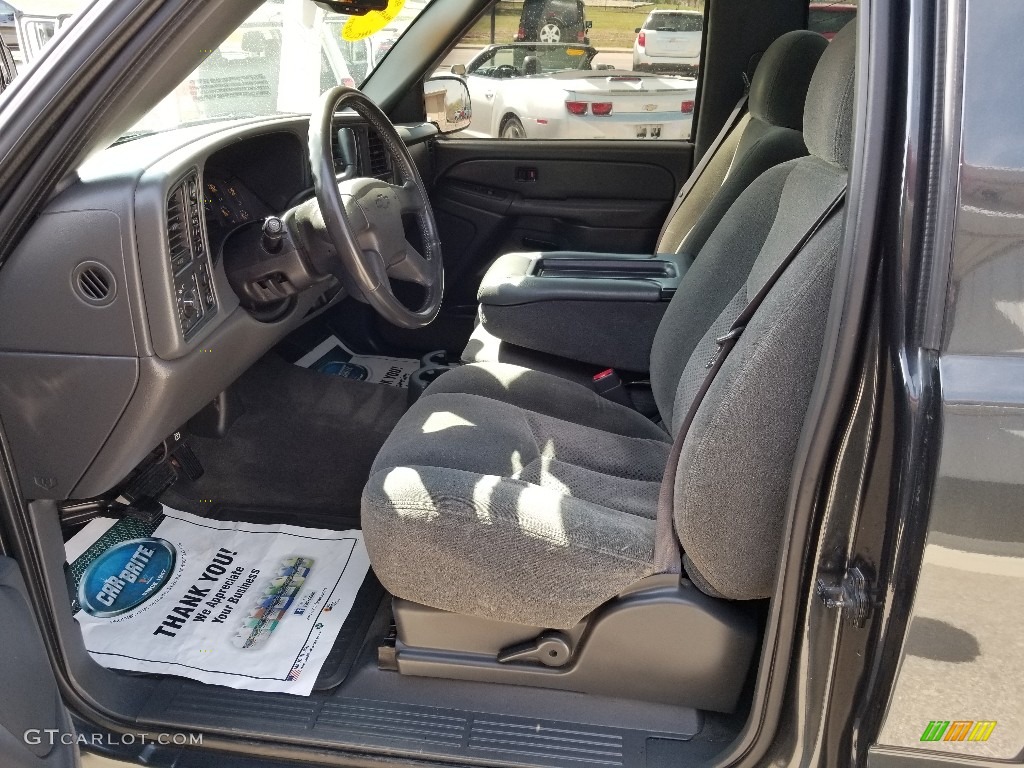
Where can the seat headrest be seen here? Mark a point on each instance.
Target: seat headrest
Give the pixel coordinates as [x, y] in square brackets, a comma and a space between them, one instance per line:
[828, 116]
[779, 88]
[531, 65]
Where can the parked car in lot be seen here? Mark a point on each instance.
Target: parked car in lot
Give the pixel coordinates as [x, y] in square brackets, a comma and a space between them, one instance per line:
[39, 21]
[243, 75]
[8, 25]
[552, 91]
[829, 18]
[669, 41]
[553, 21]
[8, 67]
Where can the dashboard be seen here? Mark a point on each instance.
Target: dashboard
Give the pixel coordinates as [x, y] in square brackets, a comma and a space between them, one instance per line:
[119, 301]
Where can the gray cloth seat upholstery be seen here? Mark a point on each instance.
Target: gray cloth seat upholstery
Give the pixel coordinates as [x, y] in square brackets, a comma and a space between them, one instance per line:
[517, 496]
[517, 491]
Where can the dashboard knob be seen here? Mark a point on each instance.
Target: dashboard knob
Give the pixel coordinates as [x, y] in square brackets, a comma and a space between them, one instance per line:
[273, 233]
[188, 304]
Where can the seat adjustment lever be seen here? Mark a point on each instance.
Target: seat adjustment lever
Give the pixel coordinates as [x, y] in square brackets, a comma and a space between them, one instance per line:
[552, 649]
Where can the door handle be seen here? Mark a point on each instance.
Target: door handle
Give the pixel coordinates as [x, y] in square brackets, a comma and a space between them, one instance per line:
[488, 94]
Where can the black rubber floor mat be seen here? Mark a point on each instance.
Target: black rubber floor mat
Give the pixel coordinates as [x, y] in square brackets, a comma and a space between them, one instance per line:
[303, 440]
[354, 632]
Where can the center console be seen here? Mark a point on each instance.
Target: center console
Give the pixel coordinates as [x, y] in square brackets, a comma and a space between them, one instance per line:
[596, 308]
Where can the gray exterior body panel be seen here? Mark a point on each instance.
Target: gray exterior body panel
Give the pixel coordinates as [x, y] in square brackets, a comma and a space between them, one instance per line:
[963, 658]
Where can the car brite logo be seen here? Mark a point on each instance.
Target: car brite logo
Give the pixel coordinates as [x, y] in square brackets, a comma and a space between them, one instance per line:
[958, 730]
[125, 576]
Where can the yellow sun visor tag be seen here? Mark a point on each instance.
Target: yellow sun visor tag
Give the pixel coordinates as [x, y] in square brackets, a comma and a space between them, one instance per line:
[360, 27]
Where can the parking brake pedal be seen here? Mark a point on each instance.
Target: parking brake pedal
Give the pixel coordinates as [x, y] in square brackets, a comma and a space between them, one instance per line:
[184, 459]
[150, 483]
[552, 649]
[174, 460]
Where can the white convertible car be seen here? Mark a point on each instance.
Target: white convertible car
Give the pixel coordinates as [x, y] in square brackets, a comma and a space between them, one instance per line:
[552, 91]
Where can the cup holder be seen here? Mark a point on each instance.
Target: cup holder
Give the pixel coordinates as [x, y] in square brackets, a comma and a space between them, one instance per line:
[420, 380]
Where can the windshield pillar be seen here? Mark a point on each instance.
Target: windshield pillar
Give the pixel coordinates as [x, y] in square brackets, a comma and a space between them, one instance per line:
[299, 83]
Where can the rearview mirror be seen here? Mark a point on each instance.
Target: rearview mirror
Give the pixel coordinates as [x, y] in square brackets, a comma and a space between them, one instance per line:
[458, 69]
[447, 101]
[353, 7]
[8, 69]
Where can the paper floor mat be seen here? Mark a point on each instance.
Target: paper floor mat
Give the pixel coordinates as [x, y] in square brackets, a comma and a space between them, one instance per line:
[236, 604]
[332, 356]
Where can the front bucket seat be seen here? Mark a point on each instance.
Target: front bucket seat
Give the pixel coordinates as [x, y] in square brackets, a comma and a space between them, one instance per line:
[517, 496]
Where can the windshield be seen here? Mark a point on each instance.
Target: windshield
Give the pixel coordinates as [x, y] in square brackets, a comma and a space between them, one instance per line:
[279, 61]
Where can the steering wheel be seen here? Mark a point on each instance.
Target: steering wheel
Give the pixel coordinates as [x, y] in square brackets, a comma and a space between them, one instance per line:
[362, 217]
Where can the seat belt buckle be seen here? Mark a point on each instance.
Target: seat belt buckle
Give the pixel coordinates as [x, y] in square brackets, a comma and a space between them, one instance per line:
[609, 385]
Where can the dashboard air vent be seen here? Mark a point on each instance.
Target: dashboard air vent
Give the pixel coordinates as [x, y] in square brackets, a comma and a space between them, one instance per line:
[336, 151]
[379, 162]
[94, 283]
[177, 229]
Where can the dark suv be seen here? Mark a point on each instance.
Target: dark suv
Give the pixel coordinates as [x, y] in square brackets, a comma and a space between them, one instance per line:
[553, 21]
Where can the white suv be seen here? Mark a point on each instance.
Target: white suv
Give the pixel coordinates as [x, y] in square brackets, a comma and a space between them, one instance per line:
[669, 41]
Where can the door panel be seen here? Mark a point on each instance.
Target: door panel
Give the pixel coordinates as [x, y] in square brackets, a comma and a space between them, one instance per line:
[492, 197]
[33, 719]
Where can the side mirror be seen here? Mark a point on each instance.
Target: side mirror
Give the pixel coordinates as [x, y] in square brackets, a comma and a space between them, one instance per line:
[8, 69]
[458, 69]
[588, 25]
[447, 101]
[637, 30]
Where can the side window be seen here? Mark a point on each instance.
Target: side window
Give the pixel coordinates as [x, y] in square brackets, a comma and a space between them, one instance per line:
[559, 69]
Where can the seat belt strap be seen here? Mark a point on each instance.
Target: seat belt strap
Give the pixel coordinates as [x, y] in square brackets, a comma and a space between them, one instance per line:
[667, 554]
[705, 160]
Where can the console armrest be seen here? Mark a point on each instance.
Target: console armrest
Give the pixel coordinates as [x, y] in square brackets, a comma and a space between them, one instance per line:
[521, 278]
[597, 308]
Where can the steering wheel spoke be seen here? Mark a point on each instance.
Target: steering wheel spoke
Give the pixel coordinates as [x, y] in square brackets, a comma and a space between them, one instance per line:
[412, 267]
[409, 199]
